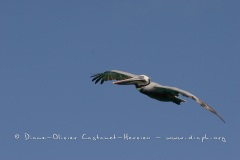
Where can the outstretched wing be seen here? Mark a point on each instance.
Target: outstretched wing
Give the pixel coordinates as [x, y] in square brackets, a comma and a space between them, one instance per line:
[176, 91]
[111, 75]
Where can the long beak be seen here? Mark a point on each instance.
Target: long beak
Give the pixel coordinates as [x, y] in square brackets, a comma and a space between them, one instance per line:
[133, 80]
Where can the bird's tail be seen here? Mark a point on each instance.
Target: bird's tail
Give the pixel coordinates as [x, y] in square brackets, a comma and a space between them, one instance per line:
[178, 100]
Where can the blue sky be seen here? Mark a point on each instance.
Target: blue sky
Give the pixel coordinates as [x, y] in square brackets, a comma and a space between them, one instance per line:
[49, 50]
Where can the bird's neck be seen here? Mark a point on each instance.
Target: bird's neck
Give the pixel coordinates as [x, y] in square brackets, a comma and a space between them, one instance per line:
[140, 87]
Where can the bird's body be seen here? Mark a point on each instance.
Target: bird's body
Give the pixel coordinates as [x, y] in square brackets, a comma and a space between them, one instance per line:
[152, 91]
[149, 88]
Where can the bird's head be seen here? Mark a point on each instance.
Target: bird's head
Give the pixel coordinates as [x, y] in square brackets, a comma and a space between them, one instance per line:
[138, 81]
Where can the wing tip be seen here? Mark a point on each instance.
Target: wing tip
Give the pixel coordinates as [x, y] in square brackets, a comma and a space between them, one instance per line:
[221, 119]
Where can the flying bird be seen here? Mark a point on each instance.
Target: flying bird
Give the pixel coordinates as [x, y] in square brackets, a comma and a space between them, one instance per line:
[154, 90]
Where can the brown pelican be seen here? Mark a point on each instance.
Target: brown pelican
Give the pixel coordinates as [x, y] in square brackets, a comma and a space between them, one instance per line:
[151, 89]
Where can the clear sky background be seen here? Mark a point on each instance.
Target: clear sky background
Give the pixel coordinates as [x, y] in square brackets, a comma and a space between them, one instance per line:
[49, 50]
